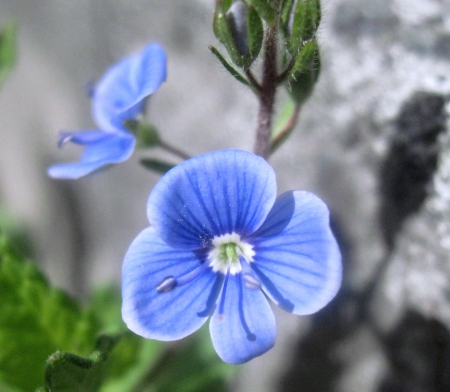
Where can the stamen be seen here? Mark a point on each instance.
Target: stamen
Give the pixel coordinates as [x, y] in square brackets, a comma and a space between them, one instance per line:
[168, 284]
[64, 138]
[251, 282]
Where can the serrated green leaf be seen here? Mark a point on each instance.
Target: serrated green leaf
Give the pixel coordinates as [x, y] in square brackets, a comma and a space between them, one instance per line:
[306, 20]
[35, 321]
[8, 38]
[157, 165]
[66, 372]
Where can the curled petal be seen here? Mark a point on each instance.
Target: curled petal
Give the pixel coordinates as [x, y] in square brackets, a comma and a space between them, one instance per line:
[102, 149]
[297, 258]
[153, 306]
[121, 93]
[210, 195]
[243, 326]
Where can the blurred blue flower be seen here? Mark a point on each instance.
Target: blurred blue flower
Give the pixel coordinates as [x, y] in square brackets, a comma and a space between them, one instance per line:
[119, 96]
[220, 242]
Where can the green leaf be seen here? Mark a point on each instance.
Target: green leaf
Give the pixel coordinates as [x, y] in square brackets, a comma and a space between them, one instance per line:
[157, 165]
[35, 321]
[306, 20]
[8, 38]
[66, 372]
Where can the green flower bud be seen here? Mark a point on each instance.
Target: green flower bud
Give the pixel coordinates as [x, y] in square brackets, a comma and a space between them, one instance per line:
[240, 30]
[237, 19]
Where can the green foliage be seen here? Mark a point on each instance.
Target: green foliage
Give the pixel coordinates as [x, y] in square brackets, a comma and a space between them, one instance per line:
[306, 20]
[305, 72]
[8, 37]
[35, 321]
[66, 372]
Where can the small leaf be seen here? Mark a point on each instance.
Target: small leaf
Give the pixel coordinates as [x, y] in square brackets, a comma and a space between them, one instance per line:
[8, 38]
[66, 372]
[157, 165]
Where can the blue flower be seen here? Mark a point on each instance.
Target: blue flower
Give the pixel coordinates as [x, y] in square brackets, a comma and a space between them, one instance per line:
[220, 243]
[120, 95]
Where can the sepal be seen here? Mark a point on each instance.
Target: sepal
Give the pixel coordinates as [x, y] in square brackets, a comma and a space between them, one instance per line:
[305, 17]
[146, 134]
[305, 72]
[267, 9]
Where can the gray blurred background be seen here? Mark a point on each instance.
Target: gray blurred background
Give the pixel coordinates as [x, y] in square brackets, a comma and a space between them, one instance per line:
[363, 144]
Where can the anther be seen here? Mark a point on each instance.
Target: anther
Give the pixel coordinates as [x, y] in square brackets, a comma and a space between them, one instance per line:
[166, 285]
[251, 282]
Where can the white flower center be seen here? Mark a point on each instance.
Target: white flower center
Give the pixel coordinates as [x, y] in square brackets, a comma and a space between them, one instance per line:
[228, 248]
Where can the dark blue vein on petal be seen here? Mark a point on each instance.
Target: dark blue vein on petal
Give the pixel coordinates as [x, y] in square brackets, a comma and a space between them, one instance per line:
[278, 297]
[250, 335]
[212, 297]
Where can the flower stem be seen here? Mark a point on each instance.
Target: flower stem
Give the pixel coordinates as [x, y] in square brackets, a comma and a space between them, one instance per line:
[267, 94]
[173, 150]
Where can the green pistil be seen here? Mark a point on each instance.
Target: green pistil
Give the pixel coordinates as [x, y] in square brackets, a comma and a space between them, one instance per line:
[228, 253]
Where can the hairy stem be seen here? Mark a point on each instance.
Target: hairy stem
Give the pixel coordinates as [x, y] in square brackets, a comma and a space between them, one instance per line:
[267, 94]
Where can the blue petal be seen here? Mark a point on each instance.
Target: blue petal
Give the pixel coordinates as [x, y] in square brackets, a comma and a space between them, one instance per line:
[168, 315]
[297, 258]
[102, 149]
[212, 194]
[246, 328]
[120, 94]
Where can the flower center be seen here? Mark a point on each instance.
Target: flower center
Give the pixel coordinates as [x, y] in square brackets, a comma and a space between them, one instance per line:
[226, 253]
